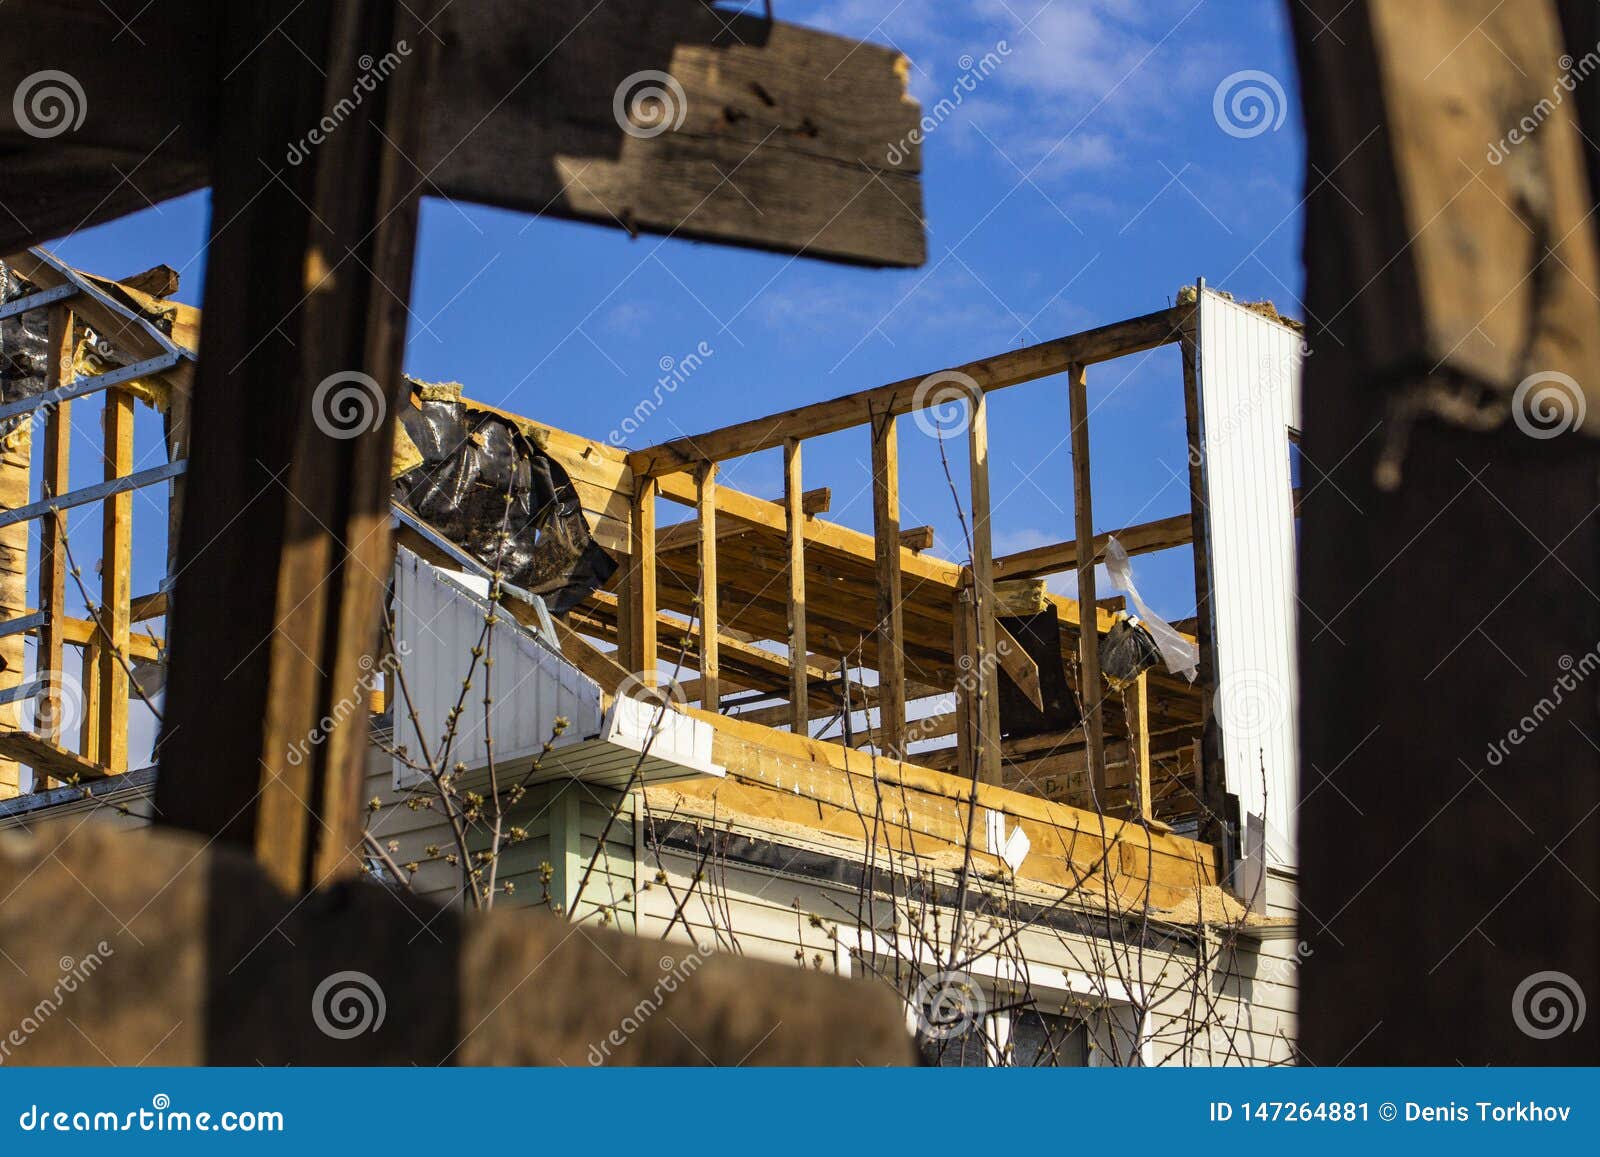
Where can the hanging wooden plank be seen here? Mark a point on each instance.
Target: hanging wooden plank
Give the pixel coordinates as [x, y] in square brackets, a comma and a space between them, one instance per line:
[886, 538]
[799, 695]
[1088, 640]
[706, 521]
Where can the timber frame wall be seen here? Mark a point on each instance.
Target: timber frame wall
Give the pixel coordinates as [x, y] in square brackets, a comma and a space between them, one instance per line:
[684, 471]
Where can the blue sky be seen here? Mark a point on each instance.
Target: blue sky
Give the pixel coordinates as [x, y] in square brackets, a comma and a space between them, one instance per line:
[1083, 181]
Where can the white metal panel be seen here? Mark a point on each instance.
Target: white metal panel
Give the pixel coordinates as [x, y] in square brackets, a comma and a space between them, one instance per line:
[1249, 386]
[438, 623]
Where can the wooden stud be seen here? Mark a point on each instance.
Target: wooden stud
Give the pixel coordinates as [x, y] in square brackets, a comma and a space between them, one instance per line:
[116, 592]
[799, 695]
[52, 528]
[89, 727]
[642, 582]
[1138, 711]
[706, 518]
[985, 668]
[961, 648]
[1088, 639]
[886, 538]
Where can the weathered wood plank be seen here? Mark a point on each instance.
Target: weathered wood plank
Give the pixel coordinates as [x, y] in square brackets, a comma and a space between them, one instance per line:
[799, 697]
[1083, 515]
[671, 118]
[706, 525]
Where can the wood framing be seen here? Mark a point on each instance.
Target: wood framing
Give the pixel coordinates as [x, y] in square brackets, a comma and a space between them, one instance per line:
[1083, 516]
[799, 698]
[116, 569]
[53, 483]
[706, 523]
[642, 585]
[1008, 369]
[985, 668]
[887, 543]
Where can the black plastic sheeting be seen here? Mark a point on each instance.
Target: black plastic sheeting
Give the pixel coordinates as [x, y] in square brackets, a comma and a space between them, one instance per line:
[471, 460]
[1040, 636]
[1127, 651]
[22, 348]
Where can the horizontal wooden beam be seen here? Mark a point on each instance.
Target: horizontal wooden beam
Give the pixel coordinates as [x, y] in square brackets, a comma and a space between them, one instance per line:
[1144, 538]
[910, 394]
[668, 118]
[46, 758]
[685, 535]
[917, 538]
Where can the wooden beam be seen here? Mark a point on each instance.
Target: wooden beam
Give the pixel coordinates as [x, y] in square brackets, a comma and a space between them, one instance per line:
[705, 125]
[891, 656]
[799, 699]
[642, 582]
[1002, 370]
[1145, 538]
[984, 670]
[48, 758]
[287, 509]
[1083, 514]
[917, 538]
[545, 108]
[1138, 712]
[1016, 662]
[686, 535]
[116, 592]
[706, 522]
[55, 481]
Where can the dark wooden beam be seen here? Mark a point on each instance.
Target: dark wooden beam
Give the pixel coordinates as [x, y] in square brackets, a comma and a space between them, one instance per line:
[288, 503]
[765, 134]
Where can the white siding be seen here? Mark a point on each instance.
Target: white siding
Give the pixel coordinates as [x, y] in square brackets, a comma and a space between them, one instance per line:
[1249, 387]
[437, 624]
